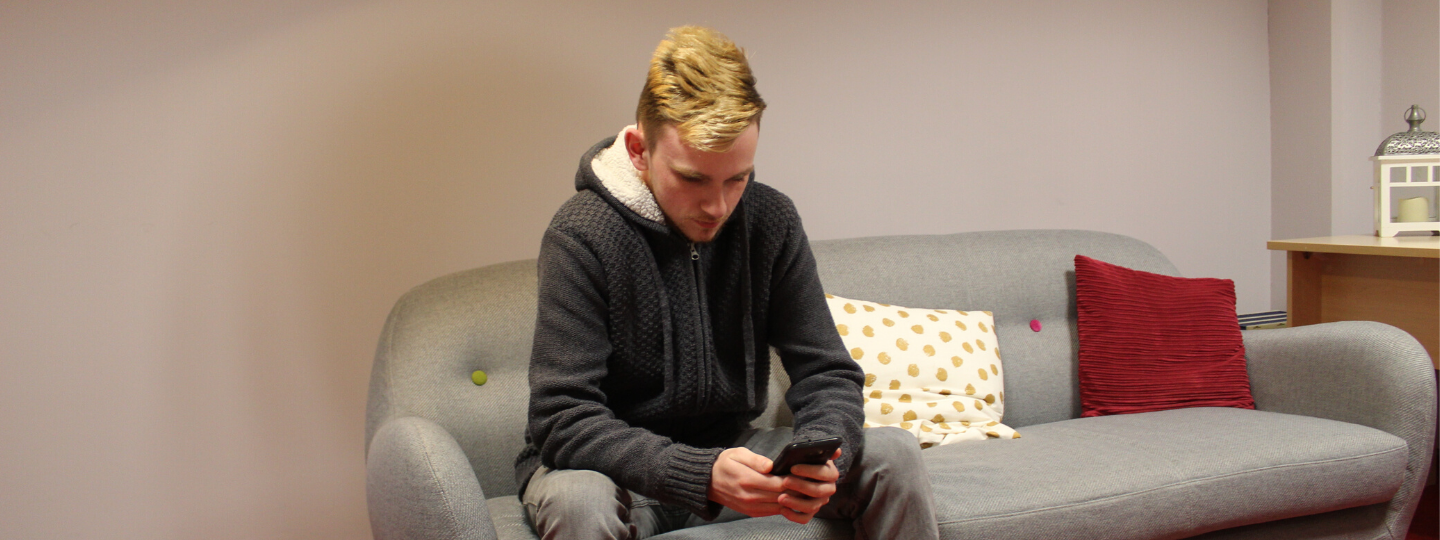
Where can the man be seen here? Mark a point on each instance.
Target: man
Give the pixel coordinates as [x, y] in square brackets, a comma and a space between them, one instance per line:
[662, 286]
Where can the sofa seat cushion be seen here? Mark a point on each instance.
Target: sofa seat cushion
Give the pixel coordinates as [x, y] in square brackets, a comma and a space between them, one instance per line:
[1167, 474]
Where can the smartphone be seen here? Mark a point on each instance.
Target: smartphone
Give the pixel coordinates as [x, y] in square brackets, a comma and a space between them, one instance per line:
[815, 452]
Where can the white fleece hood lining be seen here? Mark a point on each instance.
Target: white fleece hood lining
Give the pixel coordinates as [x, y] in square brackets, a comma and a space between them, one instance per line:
[620, 177]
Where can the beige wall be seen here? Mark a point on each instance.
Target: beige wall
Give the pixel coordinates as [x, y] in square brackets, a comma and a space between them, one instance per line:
[206, 209]
[1342, 74]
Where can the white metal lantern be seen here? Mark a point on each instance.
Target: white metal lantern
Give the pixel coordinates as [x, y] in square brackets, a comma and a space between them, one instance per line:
[1407, 179]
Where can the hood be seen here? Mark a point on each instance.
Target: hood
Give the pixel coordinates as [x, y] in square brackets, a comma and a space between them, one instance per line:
[606, 169]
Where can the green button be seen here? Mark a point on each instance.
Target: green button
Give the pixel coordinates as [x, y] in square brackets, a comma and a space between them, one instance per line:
[479, 377]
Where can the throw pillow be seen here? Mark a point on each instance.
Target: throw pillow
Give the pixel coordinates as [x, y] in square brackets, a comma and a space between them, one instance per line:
[1151, 343]
[933, 372]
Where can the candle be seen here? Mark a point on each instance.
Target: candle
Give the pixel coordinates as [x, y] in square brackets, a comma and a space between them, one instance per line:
[1414, 209]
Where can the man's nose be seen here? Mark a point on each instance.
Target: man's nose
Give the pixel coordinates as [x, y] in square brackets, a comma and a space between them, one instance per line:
[713, 203]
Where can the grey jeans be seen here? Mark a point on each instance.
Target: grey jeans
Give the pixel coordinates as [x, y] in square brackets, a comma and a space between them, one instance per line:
[886, 494]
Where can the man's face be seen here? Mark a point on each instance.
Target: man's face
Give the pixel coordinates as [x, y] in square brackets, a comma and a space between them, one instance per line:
[696, 190]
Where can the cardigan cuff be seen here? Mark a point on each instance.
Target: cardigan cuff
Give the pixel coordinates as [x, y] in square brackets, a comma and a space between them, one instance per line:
[686, 479]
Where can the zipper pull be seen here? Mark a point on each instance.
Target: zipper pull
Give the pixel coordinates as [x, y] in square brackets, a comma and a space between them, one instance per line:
[694, 253]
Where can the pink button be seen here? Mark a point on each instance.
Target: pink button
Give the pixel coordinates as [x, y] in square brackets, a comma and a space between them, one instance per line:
[1035, 325]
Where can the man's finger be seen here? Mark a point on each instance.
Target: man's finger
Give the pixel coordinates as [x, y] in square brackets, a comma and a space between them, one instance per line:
[808, 487]
[756, 462]
[820, 473]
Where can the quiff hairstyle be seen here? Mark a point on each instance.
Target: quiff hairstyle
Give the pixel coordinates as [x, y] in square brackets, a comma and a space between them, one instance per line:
[699, 82]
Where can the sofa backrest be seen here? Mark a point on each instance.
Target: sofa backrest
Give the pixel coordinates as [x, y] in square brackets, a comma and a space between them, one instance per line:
[439, 333]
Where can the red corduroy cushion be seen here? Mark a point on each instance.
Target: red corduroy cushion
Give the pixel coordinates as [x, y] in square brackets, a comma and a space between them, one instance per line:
[1151, 343]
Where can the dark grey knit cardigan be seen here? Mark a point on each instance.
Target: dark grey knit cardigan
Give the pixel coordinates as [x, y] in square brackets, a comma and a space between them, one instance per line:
[651, 353]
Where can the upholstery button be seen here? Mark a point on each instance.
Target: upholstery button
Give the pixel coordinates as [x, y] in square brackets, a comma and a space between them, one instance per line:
[479, 377]
[1035, 325]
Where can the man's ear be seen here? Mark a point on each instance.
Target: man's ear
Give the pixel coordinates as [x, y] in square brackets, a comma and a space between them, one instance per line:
[635, 146]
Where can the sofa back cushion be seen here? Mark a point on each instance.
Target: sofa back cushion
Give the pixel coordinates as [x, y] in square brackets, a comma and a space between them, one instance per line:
[1019, 276]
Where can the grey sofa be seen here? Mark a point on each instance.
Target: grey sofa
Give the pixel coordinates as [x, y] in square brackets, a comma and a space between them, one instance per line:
[1338, 448]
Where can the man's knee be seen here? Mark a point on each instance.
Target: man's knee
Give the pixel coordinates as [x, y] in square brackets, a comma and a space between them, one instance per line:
[565, 502]
[891, 446]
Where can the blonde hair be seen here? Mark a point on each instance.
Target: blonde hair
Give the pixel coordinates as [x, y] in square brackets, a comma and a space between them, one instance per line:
[700, 82]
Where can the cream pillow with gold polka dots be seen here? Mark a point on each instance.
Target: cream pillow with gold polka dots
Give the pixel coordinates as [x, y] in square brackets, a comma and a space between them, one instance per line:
[933, 372]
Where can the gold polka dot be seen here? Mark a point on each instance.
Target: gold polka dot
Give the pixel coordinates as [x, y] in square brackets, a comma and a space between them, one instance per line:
[925, 428]
[886, 408]
[1002, 397]
[1016, 435]
[990, 399]
[884, 358]
[956, 360]
[869, 332]
[913, 370]
[869, 379]
[965, 423]
[904, 398]
[960, 325]
[856, 353]
[902, 314]
[967, 348]
[932, 404]
[866, 424]
[994, 369]
[849, 308]
[867, 400]
[933, 318]
[993, 423]
[980, 344]
[979, 405]
[969, 389]
[844, 330]
[902, 344]
[906, 425]
[988, 314]
[869, 307]
[997, 352]
[909, 415]
[963, 313]
[925, 445]
[940, 374]
[895, 384]
[875, 394]
[982, 327]
[984, 376]
[917, 329]
[945, 337]
[959, 406]
[929, 350]
[944, 391]
[828, 295]
[887, 322]
[992, 434]
[886, 305]
[944, 426]
[938, 418]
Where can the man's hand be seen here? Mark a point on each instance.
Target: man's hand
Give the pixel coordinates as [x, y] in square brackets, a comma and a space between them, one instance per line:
[807, 488]
[741, 480]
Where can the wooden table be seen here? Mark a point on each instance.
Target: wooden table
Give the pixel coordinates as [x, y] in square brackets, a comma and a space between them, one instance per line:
[1366, 278]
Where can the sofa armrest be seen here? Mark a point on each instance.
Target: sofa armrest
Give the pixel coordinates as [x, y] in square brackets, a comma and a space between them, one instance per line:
[1365, 373]
[419, 485]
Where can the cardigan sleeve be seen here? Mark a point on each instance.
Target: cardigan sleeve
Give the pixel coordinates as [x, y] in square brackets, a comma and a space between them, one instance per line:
[825, 382]
[569, 422]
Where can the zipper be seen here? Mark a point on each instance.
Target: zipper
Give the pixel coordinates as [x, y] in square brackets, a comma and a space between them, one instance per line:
[704, 324]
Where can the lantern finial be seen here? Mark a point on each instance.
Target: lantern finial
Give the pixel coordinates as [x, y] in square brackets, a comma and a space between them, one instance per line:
[1414, 116]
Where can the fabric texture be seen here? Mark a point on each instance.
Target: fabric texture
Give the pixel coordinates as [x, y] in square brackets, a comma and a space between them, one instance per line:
[419, 485]
[1167, 474]
[1151, 343]
[935, 373]
[651, 352]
